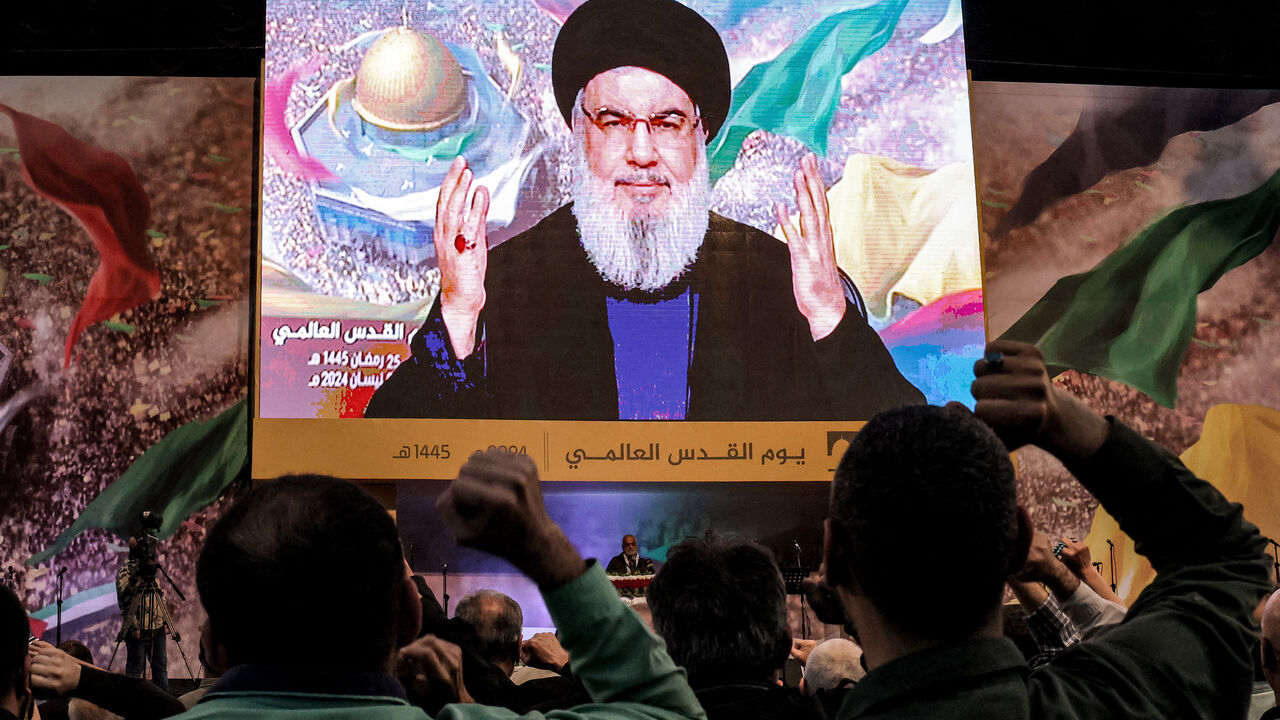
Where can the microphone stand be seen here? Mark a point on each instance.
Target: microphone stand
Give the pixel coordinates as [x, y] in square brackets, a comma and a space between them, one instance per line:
[804, 613]
[58, 632]
[445, 572]
[1111, 548]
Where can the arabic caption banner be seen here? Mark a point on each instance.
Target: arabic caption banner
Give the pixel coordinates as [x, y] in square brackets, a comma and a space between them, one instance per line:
[564, 451]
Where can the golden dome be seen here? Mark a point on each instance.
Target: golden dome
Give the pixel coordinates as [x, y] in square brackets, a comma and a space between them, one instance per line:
[408, 80]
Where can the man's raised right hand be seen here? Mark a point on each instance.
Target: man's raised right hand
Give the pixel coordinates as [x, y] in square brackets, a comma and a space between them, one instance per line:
[53, 670]
[544, 651]
[495, 505]
[462, 252]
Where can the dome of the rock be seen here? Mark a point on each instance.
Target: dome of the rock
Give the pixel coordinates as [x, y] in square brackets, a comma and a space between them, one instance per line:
[409, 80]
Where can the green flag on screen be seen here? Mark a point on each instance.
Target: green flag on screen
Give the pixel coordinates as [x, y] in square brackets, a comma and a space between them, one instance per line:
[183, 473]
[796, 94]
[1132, 317]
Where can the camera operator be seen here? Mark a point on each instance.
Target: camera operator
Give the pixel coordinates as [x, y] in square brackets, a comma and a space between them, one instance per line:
[142, 605]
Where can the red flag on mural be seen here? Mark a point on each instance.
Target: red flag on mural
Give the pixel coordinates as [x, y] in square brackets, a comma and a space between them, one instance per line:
[100, 190]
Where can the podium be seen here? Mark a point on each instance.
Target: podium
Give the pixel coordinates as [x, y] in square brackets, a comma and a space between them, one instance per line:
[630, 582]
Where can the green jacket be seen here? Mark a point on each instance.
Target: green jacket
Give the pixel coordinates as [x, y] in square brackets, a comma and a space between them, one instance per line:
[623, 665]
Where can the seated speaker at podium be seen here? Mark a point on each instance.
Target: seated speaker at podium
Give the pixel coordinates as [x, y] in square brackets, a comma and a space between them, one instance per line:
[629, 572]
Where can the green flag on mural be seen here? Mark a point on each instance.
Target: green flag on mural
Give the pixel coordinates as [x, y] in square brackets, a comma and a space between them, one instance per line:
[185, 472]
[796, 94]
[1132, 317]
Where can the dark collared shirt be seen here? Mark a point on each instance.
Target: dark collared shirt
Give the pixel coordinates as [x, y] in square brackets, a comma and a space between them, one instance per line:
[260, 678]
[981, 678]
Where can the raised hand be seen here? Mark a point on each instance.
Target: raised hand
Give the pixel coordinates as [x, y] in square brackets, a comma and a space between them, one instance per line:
[431, 667]
[495, 505]
[543, 650]
[815, 280]
[801, 648]
[823, 598]
[1043, 567]
[462, 252]
[1016, 397]
[52, 670]
[1076, 556]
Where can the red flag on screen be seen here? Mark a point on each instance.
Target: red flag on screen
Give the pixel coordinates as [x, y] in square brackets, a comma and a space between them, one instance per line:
[100, 190]
[276, 137]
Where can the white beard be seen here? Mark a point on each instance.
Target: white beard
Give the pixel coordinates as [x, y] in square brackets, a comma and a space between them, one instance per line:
[634, 249]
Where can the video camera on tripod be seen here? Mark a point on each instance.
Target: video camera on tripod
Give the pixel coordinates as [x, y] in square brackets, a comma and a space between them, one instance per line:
[143, 549]
[146, 619]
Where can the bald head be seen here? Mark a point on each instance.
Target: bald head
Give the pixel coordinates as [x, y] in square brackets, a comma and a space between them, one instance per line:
[1271, 641]
[498, 621]
[1271, 618]
[830, 664]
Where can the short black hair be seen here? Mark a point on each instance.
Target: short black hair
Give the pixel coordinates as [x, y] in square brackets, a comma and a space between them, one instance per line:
[720, 605]
[15, 630]
[918, 486]
[77, 650]
[498, 622]
[304, 571]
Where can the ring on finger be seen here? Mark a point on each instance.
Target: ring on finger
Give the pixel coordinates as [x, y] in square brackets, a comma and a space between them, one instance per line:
[462, 244]
[994, 360]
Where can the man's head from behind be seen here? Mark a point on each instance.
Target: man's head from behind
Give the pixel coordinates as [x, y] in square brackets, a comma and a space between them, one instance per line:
[327, 554]
[924, 500]
[15, 667]
[720, 605]
[77, 650]
[1271, 641]
[831, 665]
[498, 621]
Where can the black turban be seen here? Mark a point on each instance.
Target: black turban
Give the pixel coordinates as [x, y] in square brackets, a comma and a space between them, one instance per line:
[659, 35]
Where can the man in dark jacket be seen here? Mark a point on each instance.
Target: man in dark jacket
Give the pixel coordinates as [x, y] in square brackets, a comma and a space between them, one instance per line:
[1183, 650]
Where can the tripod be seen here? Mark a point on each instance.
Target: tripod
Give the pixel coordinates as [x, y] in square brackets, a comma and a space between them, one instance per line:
[149, 602]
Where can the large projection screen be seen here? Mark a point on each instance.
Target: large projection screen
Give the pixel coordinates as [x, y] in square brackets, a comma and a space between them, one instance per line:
[712, 375]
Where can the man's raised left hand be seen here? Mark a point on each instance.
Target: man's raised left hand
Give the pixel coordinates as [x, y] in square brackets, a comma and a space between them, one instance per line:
[815, 280]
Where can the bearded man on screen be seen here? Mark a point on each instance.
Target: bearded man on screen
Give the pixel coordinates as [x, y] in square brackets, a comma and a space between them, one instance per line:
[635, 302]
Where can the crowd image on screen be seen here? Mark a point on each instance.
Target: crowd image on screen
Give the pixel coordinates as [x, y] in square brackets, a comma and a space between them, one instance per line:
[937, 595]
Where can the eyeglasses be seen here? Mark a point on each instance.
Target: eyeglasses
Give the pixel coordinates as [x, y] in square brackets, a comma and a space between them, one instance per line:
[665, 128]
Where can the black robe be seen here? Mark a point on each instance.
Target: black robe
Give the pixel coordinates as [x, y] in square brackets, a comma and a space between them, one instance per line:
[545, 350]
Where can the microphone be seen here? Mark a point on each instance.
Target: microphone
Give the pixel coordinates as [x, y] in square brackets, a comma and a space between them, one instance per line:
[62, 570]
